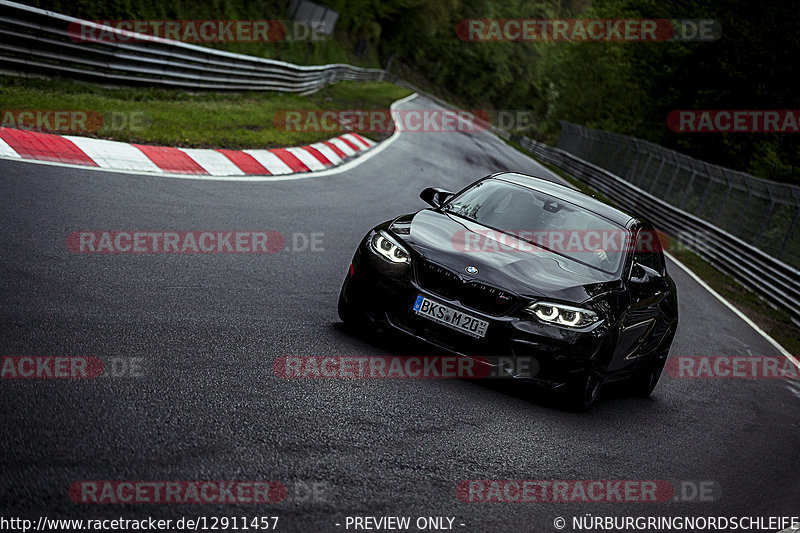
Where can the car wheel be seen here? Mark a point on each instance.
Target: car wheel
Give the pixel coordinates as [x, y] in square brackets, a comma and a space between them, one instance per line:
[583, 391]
[645, 382]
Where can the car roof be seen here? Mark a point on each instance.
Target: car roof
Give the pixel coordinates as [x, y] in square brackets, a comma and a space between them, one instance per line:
[567, 193]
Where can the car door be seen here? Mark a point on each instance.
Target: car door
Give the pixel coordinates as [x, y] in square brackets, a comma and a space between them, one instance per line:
[647, 287]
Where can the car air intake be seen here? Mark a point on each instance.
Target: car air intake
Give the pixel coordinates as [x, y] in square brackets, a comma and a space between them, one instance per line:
[470, 293]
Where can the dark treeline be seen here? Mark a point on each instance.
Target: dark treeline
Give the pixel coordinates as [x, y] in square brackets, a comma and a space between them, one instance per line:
[624, 87]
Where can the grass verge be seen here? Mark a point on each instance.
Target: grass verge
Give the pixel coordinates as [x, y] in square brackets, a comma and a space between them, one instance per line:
[191, 120]
[777, 322]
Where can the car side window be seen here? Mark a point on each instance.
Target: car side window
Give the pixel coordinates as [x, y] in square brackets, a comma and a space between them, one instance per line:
[648, 250]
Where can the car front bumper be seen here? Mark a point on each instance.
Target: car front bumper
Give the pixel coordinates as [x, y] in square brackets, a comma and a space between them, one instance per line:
[526, 348]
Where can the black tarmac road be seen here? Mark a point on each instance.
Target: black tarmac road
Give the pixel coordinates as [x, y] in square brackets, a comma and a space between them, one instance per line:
[204, 403]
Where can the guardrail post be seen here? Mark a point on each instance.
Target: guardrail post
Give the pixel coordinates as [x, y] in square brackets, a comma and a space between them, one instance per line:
[789, 233]
[672, 180]
[764, 221]
[688, 188]
[743, 211]
[652, 184]
[643, 173]
[724, 202]
[710, 181]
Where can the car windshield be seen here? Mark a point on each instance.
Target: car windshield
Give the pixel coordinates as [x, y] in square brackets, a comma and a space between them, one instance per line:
[548, 223]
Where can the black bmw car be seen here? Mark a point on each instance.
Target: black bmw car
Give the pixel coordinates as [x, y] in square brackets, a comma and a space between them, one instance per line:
[516, 266]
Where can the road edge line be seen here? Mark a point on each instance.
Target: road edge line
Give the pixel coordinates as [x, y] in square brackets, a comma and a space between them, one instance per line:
[735, 309]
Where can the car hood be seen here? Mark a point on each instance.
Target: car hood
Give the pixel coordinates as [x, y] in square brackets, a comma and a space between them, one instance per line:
[440, 237]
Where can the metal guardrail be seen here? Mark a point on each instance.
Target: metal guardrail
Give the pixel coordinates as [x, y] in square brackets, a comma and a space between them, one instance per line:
[34, 40]
[775, 280]
[762, 213]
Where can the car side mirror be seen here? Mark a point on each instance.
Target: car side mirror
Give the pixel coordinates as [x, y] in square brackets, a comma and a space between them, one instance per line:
[643, 275]
[435, 196]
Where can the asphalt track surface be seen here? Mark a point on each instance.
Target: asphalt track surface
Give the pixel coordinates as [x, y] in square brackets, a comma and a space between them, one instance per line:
[207, 405]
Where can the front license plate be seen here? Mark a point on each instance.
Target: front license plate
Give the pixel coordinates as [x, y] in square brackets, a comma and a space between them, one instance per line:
[452, 318]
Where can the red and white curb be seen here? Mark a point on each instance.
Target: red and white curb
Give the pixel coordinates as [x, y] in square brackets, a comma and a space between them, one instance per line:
[335, 156]
[113, 155]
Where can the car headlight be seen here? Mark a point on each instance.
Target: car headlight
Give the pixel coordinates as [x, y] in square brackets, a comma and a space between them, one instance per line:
[387, 247]
[562, 315]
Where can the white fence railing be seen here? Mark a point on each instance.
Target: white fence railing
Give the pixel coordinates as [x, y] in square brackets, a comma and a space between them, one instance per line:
[775, 280]
[37, 41]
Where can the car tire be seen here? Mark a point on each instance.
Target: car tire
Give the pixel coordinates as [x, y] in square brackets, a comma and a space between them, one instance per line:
[582, 391]
[643, 384]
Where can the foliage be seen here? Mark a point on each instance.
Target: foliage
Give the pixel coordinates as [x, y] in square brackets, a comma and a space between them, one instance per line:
[624, 87]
